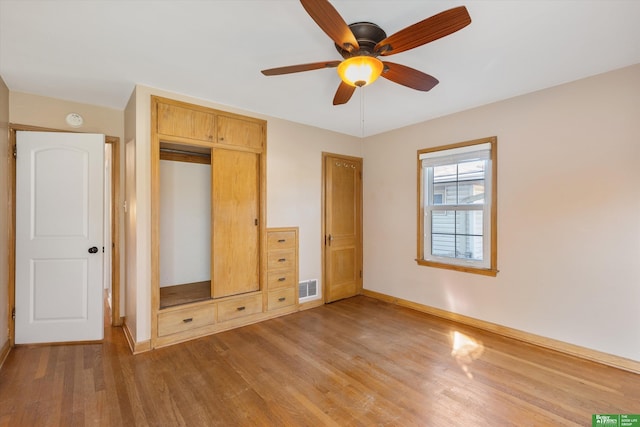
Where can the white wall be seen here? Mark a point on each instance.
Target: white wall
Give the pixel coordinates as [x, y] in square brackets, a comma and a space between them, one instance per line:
[185, 223]
[568, 209]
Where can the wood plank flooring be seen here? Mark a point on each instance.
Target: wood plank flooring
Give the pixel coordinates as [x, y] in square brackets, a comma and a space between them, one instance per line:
[184, 294]
[356, 362]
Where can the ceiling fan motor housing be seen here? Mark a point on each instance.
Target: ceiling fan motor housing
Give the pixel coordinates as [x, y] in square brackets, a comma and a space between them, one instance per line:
[368, 35]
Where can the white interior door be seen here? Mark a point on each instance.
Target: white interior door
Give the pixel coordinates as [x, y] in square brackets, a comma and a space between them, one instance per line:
[59, 221]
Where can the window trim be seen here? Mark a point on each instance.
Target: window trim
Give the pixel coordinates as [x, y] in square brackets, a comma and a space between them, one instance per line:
[492, 270]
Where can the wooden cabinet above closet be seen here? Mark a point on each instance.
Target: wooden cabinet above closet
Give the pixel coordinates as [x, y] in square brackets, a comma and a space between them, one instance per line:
[192, 123]
[240, 132]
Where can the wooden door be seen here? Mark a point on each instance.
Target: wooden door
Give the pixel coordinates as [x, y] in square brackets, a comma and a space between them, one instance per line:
[235, 201]
[59, 242]
[342, 226]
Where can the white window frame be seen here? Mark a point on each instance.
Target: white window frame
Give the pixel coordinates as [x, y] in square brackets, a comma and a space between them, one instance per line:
[482, 149]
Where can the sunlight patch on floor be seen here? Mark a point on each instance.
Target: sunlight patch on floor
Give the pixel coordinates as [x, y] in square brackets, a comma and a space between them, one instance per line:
[465, 350]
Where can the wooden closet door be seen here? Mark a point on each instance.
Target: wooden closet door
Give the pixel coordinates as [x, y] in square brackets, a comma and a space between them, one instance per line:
[343, 227]
[235, 200]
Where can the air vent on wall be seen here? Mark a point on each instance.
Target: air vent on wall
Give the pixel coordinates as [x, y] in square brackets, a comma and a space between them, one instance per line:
[308, 289]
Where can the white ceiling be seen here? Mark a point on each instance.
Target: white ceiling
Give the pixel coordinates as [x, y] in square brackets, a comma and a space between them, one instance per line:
[96, 51]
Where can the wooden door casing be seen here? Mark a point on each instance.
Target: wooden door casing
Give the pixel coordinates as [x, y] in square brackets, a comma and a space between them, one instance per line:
[343, 227]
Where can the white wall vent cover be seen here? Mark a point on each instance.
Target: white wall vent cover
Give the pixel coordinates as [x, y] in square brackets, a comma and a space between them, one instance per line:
[308, 289]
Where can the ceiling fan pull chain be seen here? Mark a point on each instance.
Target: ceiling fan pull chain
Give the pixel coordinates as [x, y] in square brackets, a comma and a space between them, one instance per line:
[362, 112]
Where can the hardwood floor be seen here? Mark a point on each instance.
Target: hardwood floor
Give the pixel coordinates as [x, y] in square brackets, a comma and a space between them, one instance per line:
[359, 362]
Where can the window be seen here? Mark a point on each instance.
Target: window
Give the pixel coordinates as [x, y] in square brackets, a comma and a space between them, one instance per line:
[457, 206]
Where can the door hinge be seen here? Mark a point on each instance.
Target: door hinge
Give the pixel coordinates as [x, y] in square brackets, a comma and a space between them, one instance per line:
[255, 221]
[13, 313]
[15, 151]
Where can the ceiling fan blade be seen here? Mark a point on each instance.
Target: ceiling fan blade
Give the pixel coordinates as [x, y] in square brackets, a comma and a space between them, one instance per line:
[301, 67]
[409, 77]
[330, 21]
[425, 31]
[343, 94]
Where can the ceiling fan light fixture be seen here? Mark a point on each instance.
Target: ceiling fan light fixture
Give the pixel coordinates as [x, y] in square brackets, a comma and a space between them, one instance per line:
[360, 70]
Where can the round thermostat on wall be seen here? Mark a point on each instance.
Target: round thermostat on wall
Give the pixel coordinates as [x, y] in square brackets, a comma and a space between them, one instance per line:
[74, 120]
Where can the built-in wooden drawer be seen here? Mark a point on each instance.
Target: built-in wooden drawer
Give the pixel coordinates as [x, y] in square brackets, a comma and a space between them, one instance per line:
[277, 240]
[280, 260]
[281, 298]
[239, 307]
[281, 279]
[186, 319]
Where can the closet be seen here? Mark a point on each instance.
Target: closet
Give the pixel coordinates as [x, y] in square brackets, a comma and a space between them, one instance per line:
[209, 241]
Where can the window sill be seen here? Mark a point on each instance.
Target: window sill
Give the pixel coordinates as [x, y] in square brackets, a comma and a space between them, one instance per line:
[466, 269]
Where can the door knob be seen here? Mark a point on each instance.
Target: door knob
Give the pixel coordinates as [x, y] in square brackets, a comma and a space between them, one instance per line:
[93, 250]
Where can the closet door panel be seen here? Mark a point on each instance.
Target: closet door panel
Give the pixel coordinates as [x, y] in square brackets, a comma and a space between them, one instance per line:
[235, 229]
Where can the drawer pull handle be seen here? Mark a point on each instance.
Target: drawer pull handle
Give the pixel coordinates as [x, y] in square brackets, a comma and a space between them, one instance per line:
[282, 279]
[281, 299]
[282, 260]
[241, 308]
[281, 240]
[190, 319]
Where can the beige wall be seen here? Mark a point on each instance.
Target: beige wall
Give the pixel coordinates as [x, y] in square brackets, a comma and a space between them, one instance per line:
[34, 110]
[568, 209]
[569, 238]
[294, 184]
[4, 202]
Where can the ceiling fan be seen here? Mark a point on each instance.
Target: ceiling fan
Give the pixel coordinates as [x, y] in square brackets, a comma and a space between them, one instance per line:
[361, 43]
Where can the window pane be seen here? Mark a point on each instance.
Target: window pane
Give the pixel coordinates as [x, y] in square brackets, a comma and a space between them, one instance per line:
[448, 193]
[445, 173]
[469, 247]
[443, 228]
[443, 245]
[443, 222]
[471, 192]
[469, 222]
[471, 170]
[457, 234]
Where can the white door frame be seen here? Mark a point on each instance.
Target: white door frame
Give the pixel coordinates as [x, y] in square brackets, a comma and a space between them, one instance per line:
[116, 319]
